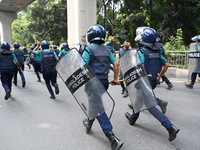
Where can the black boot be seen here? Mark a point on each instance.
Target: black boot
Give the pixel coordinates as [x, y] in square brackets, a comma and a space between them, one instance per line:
[53, 96]
[163, 106]
[56, 88]
[190, 85]
[123, 88]
[128, 116]
[116, 144]
[170, 85]
[8, 95]
[88, 124]
[39, 80]
[173, 132]
[23, 83]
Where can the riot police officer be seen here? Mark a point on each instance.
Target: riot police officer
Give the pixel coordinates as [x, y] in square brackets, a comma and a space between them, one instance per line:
[56, 50]
[26, 57]
[197, 71]
[150, 56]
[20, 57]
[7, 57]
[122, 50]
[164, 77]
[48, 62]
[36, 56]
[99, 59]
[65, 48]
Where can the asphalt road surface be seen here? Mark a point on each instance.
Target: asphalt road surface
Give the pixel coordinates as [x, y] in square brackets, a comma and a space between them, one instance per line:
[30, 120]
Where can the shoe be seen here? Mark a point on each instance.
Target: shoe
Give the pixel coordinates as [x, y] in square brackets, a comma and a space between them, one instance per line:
[128, 116]
[116, 144]
[56, 88]
[15, 83]
[39, 80]
[190, 85]
[53, 96]
[163, 106]
[125, 95]
[173, 132]
[170, 86]
[130, 106]
[88, 124]
[8, 95]
[23, 83]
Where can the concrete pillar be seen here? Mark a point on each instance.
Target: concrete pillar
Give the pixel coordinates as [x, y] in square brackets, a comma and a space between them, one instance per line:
[81, 14]
[6, 19]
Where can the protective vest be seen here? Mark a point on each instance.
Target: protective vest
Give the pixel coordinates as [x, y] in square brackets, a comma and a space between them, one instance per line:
[56, 51]
[48, 60]
[20, 56]
[6, 61]
[152, 62]
[99, 60]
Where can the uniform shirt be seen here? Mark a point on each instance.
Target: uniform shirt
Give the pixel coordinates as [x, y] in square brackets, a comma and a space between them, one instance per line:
[62, 52]
[87, 55]
[48, 50]
[14, 57]
[142, 58]
[111, 49]
[37, 55]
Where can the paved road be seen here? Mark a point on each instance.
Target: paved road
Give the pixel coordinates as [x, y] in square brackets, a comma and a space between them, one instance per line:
[30, 120]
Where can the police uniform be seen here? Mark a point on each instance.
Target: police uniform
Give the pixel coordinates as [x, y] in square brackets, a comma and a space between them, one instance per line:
[48, 62]
[65, 48]
[36, 55]
[150, 56]
[6, 66]
[99, 58]
[56, 50]
[20, 57]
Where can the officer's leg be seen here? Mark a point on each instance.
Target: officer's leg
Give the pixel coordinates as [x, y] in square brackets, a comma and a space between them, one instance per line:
[15, 71]
[47, 77]
[22, 76]
[165, 122]
[6, 79]
[193, 78]
[162, 104]
[37, 69]
[54, 80]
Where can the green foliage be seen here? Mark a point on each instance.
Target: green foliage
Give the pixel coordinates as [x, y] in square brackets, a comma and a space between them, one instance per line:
[175, 42]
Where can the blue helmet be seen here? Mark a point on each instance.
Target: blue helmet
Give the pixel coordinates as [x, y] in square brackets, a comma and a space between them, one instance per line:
[149, 35]
[5, 46]
[16, 45]
[24, 49]
[32, 47]
[108, 43]
[65, 45]
[158, 40]
[55, 47]
[96, 33]
[45, 44]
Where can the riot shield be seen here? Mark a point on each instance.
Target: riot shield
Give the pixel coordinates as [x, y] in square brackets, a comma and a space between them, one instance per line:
[86, 88]
[194, 58]
[139, 88]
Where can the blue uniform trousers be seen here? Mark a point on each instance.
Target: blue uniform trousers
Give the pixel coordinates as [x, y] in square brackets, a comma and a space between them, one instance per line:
[194, 76]
[50, 77]
[37, 68]
[6, 79]
[16, 70]
[155, 112]
[103, 118]
[164, 78]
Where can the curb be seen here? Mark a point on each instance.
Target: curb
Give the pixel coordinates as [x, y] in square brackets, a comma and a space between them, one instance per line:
[177, 73]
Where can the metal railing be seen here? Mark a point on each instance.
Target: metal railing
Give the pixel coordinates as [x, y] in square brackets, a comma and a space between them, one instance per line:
[178, 59]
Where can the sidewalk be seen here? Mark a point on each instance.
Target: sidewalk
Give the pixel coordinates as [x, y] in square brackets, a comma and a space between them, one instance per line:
[177, 73]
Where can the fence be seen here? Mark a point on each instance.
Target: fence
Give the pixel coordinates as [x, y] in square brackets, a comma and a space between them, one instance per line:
[178, 59]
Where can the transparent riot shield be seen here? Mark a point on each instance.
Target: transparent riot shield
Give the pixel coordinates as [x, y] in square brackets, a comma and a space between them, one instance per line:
[86, 88]
[194, 58]
[139, 88]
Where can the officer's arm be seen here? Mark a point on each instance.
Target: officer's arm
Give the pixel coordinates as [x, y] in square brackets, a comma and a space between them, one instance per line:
[164, 69]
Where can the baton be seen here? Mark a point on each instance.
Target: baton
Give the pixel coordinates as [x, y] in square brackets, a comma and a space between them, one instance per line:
[149, 75]
[42, 39]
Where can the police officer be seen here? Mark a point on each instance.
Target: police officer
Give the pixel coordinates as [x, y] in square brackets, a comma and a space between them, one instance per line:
[164, 77]
[29, 53]
[48, 62]
[194, 74]
[99, 59]
[36, 56]
[56, 50]
[151, 58]
[7, 57]
[20, 57]
[65, 48]
[108, 45]
[122, 50]
[26, 57]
